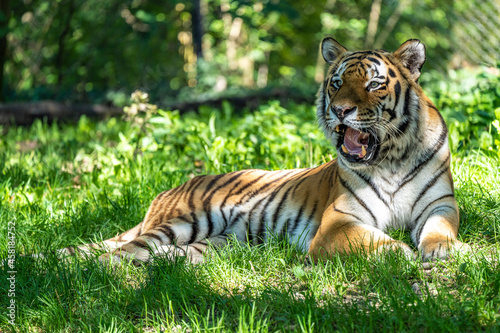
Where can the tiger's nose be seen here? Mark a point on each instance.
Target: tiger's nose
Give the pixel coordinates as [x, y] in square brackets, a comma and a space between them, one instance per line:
[343, 111]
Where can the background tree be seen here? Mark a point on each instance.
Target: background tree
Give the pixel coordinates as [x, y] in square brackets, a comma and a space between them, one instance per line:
[4, 22]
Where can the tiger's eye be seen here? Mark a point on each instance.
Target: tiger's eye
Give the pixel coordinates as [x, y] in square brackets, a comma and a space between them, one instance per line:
[337, 83]
[374, 84]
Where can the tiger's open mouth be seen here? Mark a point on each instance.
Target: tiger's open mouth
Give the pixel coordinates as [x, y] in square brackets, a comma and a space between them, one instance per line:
[354, 145]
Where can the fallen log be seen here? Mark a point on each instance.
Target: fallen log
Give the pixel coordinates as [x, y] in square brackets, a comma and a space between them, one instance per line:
[250, 101]
[24, 113]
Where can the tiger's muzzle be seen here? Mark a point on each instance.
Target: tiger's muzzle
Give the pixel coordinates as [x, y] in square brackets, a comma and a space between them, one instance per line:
[343, 111]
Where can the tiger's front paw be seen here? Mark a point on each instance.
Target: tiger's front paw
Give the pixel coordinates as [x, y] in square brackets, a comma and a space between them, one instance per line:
[442, 249]
[399, 247]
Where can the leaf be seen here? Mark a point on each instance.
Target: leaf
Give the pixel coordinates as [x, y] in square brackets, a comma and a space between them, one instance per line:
[145, 17]
[299, 273]
[165, 121]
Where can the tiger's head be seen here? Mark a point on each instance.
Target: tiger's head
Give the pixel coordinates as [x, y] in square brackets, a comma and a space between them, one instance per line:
[369, 100]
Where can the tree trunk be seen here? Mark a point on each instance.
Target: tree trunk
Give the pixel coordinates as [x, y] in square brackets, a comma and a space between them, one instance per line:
[391, 23]
[197, 21]
[62, 37]
[373, 23]
[4, 23]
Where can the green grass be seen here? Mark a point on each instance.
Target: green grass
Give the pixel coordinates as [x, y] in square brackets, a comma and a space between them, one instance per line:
[73, 184]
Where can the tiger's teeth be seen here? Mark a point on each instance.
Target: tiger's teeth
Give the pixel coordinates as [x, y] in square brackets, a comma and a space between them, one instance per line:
[344, 149]
[363, 151]
[337, 129]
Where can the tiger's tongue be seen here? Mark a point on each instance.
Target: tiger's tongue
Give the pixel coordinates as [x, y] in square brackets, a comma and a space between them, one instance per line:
[354, 141]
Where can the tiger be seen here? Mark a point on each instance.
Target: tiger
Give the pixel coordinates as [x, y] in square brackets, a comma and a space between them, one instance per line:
[392, 170]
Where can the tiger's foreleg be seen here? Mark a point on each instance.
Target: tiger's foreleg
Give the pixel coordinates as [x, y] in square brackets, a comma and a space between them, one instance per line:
[341, 233]
[436, 232]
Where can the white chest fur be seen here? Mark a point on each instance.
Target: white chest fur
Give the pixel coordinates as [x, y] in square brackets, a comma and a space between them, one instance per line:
[387, 199]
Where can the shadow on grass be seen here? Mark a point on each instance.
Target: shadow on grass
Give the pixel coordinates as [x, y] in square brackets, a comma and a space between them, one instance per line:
[54, 295]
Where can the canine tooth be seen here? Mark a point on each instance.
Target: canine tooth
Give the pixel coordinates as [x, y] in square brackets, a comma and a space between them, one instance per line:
[363, 151]
[337, 129]
[344, 149]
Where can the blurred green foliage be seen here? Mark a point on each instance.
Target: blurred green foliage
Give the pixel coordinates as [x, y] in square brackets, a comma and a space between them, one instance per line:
[101, 51]
[95, 155]
[470, 103]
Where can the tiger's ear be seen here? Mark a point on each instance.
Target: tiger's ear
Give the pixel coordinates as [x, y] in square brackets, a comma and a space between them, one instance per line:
[411, 54]
[331, 49]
